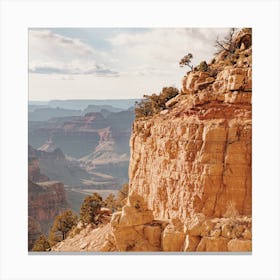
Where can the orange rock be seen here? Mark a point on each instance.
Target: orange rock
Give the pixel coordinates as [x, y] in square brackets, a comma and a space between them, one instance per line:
[153, 234]
[191, 243]
[237, 245]
[173, 240]
[213, 244]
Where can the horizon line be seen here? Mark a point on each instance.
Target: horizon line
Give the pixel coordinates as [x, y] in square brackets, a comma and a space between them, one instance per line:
[33, 100]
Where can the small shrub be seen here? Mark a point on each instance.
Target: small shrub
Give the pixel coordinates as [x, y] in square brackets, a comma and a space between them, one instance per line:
[203, 66]
[41, 244]
[213, 72]
[153, 104]
[76, 230]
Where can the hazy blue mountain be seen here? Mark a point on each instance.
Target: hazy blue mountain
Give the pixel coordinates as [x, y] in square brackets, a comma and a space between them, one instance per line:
[43, 114]
[100, 108]
[83, 104]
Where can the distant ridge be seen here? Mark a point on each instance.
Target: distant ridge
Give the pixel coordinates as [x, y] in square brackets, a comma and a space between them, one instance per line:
[81, 104]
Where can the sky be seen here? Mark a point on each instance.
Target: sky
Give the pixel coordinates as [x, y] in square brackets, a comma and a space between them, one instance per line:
[112, 63]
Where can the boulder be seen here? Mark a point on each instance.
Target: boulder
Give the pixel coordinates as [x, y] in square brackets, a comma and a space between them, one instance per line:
[238, 245]
[131, 216]
[173, 240]
[213, 244]
[153, 234]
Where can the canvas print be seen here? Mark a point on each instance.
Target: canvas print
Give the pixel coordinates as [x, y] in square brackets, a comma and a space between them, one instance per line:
[140, 140]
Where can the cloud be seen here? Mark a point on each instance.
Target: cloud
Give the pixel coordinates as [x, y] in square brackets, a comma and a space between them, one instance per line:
[162, 48]
[51, 53]
[50, 43]
[77, 67]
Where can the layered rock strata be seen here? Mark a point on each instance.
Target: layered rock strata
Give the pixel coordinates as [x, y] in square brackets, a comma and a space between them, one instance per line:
[46, 199]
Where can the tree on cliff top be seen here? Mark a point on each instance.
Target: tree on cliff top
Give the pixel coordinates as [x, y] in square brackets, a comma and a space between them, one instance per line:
[227, 44]
[90, 207]
[63, 223]
[186, 61]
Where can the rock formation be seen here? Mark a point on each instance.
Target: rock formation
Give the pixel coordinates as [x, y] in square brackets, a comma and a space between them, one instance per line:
[92, 145]
[190, 185]
[46, 199]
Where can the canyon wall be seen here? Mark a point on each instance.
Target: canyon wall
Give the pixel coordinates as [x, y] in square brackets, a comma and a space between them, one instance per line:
[46, 199]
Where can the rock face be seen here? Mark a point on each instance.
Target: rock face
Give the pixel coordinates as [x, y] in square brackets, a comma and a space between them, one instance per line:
[56, 167]
[34, 173]
[46, 199]
[195, 159]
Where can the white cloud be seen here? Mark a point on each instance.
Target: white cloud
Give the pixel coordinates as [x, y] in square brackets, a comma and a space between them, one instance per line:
[162, 48]
[50, 53]
[48, 43]
[75, 67]
[140, 63]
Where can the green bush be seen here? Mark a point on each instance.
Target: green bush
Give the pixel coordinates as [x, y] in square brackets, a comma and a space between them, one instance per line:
[203, 66]
[153, 104]
[41, 244]
[62, 225]
[111, 202]
[90, 207]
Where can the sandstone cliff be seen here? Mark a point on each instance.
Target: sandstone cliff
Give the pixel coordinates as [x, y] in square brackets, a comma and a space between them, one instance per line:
[190, 185]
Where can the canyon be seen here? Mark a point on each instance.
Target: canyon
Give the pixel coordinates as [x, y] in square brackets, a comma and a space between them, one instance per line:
[190, 169]
[72, 152]
[46, 199]
[94, 148]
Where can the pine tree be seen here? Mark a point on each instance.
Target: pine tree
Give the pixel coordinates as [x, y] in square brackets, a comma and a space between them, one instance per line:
[41, 244]
[90, 207]
[186, 61]
[63, 223]
[111, 202]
